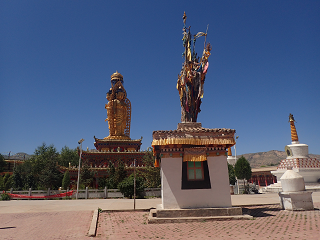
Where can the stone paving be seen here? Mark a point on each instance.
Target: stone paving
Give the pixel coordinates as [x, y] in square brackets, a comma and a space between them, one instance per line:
[270, 222]
[45, 225]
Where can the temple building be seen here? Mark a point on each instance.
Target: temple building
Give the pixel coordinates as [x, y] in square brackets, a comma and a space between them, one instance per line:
[118, 146]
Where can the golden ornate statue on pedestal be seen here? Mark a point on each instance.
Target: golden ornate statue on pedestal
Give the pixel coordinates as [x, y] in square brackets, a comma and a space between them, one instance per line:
[118, 109]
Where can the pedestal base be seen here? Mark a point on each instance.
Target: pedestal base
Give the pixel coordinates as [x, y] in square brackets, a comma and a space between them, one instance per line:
[196, 215]
[296, 201]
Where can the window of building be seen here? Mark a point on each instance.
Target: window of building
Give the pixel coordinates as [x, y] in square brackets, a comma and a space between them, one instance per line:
[195, 175]
[195, 171]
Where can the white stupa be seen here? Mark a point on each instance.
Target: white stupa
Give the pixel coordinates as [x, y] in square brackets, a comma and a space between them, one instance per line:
[297, 159]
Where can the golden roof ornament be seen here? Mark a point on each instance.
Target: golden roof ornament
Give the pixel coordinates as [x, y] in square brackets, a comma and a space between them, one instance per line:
[229, 151]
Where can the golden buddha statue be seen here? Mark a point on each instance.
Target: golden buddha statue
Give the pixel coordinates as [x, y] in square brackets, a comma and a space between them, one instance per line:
[118, 109]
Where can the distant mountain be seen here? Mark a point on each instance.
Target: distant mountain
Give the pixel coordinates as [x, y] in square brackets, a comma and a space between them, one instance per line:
[271, 158]
[18, 156]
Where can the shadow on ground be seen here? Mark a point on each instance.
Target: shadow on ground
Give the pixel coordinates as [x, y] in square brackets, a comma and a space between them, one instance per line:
[260, 211]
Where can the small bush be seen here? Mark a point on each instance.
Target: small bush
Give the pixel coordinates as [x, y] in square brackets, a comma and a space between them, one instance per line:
[5, 197]
[126, 186]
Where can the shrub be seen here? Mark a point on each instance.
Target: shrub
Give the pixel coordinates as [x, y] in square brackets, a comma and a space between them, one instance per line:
[5, 197]
[66, 180]
[232, 177]
[242, 169]
[126, 187]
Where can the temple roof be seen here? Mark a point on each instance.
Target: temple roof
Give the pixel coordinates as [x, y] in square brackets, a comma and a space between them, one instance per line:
[97, 140]
[193, 133]
[111, 153]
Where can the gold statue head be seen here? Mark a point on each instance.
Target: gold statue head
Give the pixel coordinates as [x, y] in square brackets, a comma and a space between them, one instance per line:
[116, 77]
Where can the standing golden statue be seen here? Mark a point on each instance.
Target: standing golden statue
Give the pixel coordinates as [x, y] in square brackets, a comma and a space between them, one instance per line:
[118, 109]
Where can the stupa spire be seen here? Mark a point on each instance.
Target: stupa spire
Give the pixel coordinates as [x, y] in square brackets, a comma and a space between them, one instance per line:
[294, 135]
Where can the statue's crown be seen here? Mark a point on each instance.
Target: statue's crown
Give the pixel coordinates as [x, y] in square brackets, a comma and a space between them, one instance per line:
[116, 76]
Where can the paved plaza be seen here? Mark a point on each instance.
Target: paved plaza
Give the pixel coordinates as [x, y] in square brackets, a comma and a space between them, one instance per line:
[269, 223]
[71, 219]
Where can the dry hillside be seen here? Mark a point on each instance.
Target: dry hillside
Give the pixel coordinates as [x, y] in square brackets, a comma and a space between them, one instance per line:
[271, 158]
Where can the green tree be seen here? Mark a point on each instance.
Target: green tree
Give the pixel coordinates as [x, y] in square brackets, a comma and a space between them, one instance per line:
[242, 169]
[29, 176]
[232, 177]
[7, 182]
[120, 173]
[66, 180]
[44, 155]
[67, 156]
[110, 181]
[17, 181]
[50, 176]
[102, 182]
[126, 187]
[150, 174]
[1, 183]
[86, 175]
[3, 164]
[45, 168]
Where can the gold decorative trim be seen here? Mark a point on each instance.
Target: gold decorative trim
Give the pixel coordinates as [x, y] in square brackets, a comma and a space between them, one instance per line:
[197, 154]
[195, 158]
[192, 141]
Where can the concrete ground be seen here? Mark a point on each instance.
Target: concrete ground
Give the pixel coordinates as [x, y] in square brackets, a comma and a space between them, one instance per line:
[71, 219]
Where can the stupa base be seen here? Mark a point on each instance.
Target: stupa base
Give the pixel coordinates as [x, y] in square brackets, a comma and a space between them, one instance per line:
[296, 201]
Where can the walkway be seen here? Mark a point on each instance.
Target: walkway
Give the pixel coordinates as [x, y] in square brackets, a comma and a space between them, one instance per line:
[269, 223]
[70, 219]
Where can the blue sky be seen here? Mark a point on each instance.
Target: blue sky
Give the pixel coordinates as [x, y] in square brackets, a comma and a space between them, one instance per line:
[56, 59]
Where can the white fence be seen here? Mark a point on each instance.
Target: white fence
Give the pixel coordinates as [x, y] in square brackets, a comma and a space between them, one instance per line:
[88, 193]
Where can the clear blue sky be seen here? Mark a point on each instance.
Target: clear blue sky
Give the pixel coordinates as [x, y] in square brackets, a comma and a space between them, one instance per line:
[56, 59]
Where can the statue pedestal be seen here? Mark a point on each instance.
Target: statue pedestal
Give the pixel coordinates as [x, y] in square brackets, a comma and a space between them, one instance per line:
[294, 197]
[296, 201]
[175, 195]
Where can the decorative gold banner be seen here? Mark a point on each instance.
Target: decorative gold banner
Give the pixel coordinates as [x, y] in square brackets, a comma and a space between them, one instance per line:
[192, 141]
[195, 154]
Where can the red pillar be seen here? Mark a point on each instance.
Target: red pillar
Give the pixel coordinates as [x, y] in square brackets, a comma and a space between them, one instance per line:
[266, 180]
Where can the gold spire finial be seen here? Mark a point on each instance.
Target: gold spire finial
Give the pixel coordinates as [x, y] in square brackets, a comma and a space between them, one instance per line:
[294, 135]
[184, 18]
